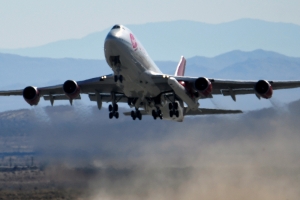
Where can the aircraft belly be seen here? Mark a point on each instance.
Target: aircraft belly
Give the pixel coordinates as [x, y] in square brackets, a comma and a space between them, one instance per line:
[136, 82]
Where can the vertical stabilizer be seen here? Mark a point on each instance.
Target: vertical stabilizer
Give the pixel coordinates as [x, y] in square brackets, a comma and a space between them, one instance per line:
[180, 67]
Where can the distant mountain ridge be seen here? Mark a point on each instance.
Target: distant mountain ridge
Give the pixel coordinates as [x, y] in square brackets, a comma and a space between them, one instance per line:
[170, 40]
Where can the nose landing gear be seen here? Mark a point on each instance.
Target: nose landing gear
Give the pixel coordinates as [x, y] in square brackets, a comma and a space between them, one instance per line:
[118, 78]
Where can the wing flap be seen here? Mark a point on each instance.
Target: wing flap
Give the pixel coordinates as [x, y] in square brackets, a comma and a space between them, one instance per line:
[58, 97]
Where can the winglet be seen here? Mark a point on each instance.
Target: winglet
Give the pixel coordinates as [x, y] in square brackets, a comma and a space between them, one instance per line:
[180, 67]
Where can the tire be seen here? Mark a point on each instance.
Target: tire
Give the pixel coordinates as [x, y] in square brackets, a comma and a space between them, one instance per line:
[177, 113]
[111, 115]
[154, 114]
[133, 114]
[158, 112]
[121, 78]
[170, 106]
[171, 113]
[116, 107]
[116, 115]
[110, 108]
[116, 78]
[138, 114]
[175, 106]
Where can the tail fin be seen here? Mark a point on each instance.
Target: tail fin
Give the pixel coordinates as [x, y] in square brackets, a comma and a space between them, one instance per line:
[180, 67]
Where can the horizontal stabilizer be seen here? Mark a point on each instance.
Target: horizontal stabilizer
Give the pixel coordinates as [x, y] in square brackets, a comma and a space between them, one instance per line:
[207, 111]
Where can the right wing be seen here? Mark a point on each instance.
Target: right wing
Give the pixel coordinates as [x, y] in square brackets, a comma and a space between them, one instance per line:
[224, 87]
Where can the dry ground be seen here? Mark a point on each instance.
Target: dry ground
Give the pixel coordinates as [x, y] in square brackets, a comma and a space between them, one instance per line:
[42, 184]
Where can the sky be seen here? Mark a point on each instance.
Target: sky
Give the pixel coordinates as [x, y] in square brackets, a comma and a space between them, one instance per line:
[34, 22]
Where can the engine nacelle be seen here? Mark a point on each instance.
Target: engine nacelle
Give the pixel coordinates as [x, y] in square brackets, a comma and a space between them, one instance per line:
[203, 85]
[31, 95]
[71, 89]
[264, 89]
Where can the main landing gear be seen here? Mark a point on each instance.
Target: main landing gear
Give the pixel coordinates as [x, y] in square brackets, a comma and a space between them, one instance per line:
[136, 114]
[113, 111]
[173, 107]
[118, 78]
[156, 113]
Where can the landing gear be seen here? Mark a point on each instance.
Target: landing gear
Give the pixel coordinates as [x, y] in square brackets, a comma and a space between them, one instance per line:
[118, 78]
[156, 113]
[173, 107]
[113, 111]
[136, 114]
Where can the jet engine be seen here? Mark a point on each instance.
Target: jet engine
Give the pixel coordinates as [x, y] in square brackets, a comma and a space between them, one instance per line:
[31, 95]
[71, 89]
[264, 89]
[203, 85]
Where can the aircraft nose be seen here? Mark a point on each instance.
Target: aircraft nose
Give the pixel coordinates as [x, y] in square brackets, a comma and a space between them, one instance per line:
[112, 38]
[111, 35]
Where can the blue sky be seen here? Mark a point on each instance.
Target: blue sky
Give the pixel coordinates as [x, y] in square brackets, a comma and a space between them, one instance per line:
[36, 22]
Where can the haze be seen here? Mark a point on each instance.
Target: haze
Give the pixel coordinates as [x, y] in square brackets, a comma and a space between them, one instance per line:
[34, 22]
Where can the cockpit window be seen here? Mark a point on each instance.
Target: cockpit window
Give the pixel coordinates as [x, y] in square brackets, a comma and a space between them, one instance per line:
[116, 27]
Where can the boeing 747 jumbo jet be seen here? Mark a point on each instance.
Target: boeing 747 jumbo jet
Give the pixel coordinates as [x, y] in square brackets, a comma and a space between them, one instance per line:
[136, 80]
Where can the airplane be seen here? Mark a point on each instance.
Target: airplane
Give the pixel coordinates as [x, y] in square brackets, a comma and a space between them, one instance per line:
[137, 81]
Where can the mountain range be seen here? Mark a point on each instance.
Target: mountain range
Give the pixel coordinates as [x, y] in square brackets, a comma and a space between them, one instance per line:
[17, 72]
[170, 40]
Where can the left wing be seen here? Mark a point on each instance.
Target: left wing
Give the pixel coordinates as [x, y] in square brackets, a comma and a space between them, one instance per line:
[94, 86]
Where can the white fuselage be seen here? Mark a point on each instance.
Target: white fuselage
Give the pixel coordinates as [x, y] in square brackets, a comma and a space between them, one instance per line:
[134, 63]
[127, 57]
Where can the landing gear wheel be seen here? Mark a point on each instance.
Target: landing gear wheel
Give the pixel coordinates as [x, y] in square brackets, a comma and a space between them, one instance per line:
[175, 105]
[171, 113]
[116, 107]
[138, 115]
[121, 78]
[133, 115]
[177, 113]
[116, 115]
[154, 114]
[116, 78]
[111, 115]
[110, 108]
[159, 112]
